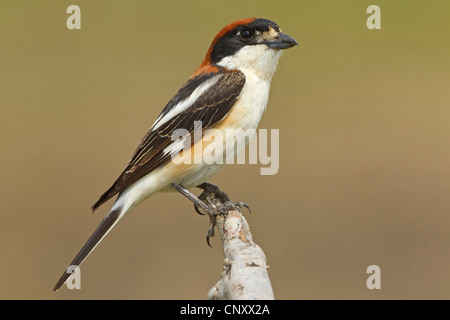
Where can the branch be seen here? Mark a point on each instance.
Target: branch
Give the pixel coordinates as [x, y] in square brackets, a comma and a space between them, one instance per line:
[244, 275]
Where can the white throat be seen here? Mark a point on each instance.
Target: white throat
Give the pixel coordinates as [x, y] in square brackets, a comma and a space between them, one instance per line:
[258, 60]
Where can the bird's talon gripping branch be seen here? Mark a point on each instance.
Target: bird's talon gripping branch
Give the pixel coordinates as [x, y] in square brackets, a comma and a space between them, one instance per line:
[218, 204]
[220, 209]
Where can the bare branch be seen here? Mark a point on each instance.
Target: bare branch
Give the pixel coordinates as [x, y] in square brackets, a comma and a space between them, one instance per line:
[244, 275]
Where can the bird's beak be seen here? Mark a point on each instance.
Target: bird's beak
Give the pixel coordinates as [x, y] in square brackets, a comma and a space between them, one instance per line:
[281, 41]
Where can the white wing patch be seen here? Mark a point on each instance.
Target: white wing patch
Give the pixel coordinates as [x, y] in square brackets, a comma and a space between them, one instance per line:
[186, 103]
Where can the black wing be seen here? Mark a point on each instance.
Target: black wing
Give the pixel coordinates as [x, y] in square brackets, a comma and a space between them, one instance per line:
[210, 108]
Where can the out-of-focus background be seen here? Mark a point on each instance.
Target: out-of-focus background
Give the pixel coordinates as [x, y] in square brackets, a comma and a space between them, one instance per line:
[364, 120]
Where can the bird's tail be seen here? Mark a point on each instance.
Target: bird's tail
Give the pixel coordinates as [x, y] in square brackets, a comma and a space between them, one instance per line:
[105, 226]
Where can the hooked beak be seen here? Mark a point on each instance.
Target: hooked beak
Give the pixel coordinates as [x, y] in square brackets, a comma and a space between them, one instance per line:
[281, 41]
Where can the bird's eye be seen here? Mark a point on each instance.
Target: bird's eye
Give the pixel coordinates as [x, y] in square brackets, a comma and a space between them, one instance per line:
[246, 34]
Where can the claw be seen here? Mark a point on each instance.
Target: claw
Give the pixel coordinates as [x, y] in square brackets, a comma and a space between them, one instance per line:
[207, 240]
[232, 205]
[198, 211]
[211, 233]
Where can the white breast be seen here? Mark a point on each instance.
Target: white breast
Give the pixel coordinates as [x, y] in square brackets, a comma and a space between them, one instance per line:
[258, 63]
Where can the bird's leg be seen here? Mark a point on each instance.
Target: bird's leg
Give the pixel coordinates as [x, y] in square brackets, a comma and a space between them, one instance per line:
[199, 204]
[212, 202]
[185, 192]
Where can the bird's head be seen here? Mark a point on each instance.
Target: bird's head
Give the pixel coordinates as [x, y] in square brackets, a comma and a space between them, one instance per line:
[248, 45]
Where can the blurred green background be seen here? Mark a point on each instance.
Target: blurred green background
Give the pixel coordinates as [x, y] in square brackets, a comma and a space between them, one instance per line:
[364, 124]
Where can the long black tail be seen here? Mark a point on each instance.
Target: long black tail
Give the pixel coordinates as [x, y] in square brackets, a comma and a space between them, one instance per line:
[105, 226]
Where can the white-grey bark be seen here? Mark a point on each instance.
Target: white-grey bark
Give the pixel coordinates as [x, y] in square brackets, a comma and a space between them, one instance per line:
[244, 275]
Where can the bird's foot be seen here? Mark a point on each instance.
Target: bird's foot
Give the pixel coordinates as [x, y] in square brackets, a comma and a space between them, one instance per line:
[218, 203]
[221, 209]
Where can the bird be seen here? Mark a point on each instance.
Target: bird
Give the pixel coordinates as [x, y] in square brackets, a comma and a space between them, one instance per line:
[229, 90]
